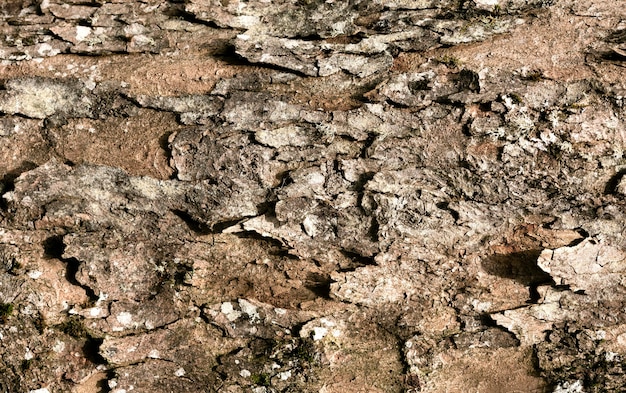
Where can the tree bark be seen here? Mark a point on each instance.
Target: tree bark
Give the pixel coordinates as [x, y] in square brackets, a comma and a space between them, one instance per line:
[312, 196]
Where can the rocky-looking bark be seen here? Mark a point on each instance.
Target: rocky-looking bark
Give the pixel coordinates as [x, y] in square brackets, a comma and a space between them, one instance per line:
[312, 196]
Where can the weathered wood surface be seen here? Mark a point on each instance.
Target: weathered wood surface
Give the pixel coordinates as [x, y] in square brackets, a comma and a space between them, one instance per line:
[312, 196]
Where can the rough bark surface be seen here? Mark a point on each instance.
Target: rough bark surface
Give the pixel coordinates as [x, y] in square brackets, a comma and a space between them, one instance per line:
[312, 196]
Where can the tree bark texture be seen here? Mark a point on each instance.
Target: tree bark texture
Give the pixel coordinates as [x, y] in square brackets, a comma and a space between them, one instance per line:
[312, 196]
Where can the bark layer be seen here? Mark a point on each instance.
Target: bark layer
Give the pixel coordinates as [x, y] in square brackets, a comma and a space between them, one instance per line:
[352, 196]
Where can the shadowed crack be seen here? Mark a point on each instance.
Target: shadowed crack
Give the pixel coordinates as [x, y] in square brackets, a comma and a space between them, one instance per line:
[521, 267]
[358, 261]
[319, 284]
[200, 228]
[54, 248]
[611, 185]
[7, 183]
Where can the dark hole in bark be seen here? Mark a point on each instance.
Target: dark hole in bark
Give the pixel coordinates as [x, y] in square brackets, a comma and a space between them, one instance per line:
[54, 248]
[319, 284]
[521, 267]
[611, 186]
[7, 183]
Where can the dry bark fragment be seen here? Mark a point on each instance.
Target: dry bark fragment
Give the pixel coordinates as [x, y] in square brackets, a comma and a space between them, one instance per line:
[329, 197]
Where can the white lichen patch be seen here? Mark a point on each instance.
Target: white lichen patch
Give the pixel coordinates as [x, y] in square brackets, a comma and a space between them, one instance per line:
[229, 311]
[45, 49]
[569, 387]
[39, 98]
[94, 311]
[59, 346]
[321, 328]
[34, 274]
[82, 32]
[124, 318]
[249, 309]
[319, 333]
[42, 390]
[486, 4]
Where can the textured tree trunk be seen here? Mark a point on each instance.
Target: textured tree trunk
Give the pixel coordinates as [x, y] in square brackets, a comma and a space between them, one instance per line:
[312, 196]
